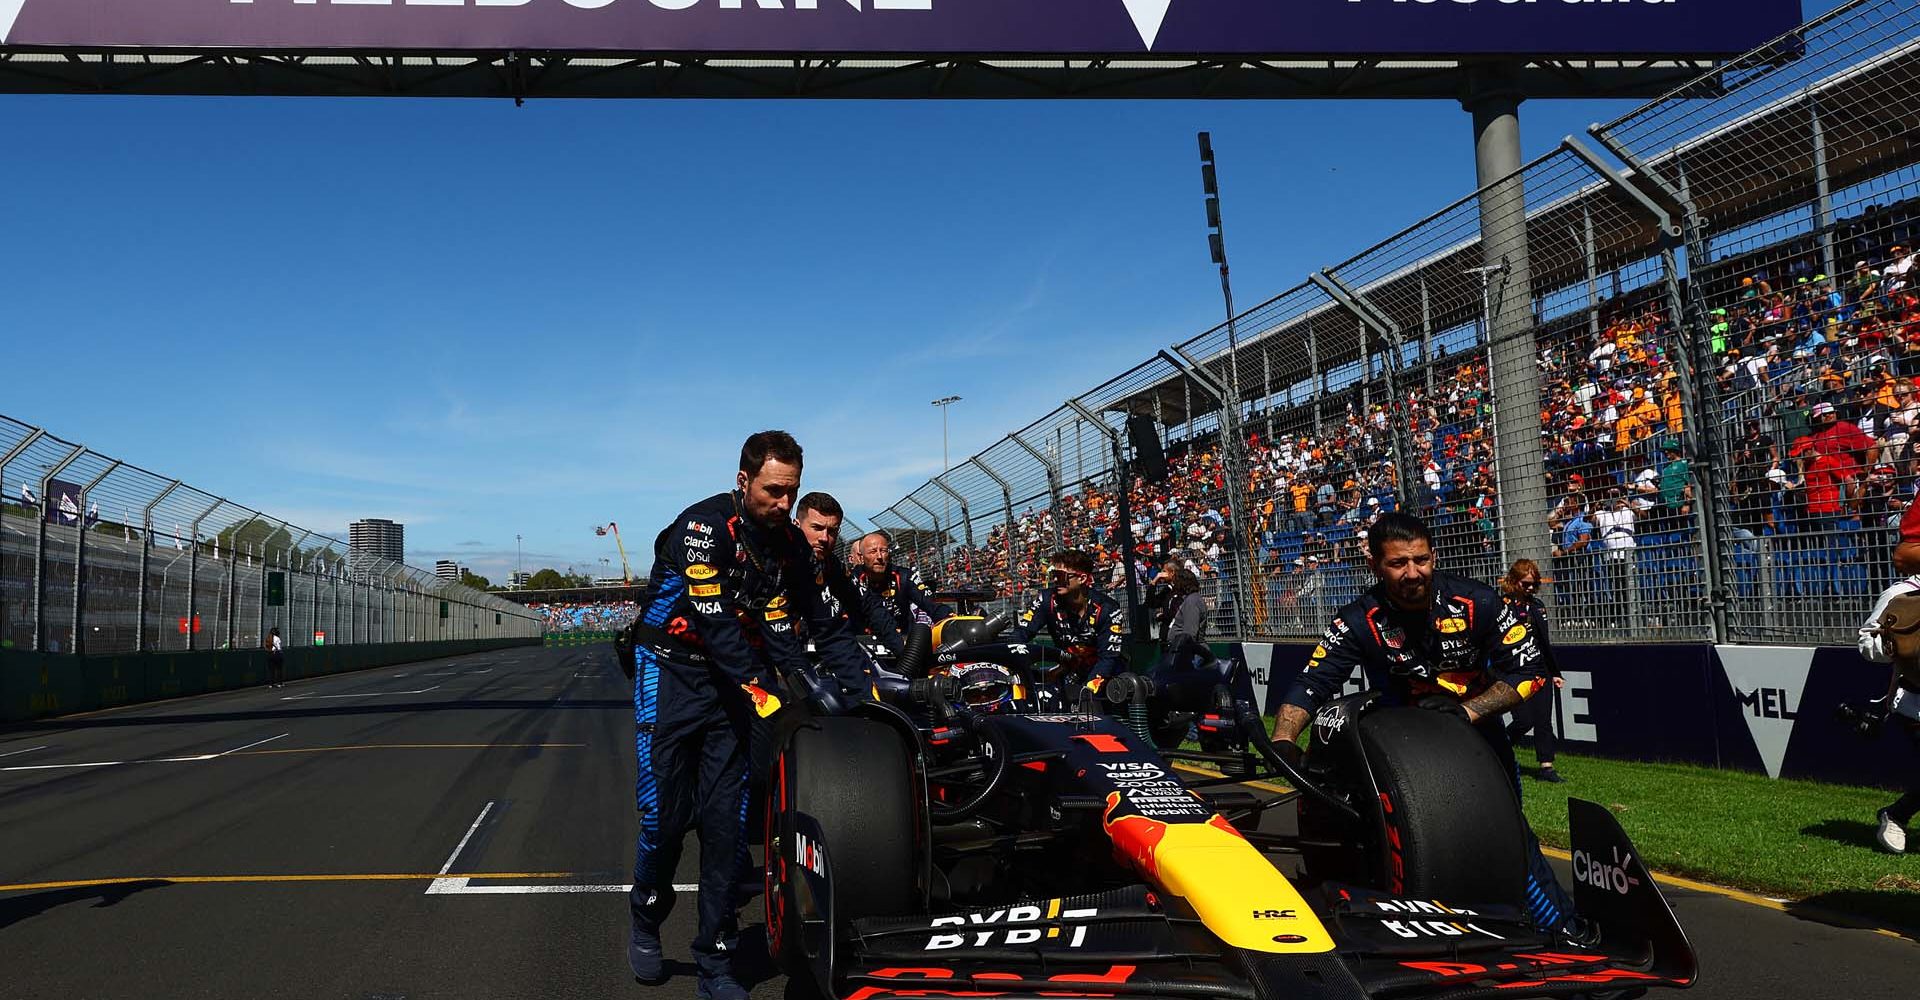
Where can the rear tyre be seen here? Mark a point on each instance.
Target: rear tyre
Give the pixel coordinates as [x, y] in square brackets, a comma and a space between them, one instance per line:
[853, 778]
[1450, 809]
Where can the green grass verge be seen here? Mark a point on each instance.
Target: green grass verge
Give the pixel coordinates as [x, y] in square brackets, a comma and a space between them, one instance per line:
[1795, 840]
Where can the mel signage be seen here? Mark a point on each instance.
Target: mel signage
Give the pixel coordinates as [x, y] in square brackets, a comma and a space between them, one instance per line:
[990, 28]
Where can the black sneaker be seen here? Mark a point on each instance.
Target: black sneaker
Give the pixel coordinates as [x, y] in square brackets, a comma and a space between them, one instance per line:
[643, 955]
[719, 986]
[1550, 775]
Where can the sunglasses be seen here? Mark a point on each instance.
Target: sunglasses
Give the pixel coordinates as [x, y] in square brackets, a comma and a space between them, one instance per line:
[1057, 575]
[1530, 584]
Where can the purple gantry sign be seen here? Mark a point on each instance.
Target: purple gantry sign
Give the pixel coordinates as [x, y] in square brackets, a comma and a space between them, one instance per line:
[904, 27]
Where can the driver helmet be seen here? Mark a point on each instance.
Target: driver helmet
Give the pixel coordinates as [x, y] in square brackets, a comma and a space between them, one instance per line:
[984, 687]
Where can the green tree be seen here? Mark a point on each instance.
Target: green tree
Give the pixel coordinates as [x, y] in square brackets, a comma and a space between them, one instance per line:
[548, 579]
[469, 578]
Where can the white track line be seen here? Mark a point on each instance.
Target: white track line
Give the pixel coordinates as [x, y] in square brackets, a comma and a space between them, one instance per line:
[190, 758]
[455, 885]
[368, 694]
[14, 753]
[250, 746]
[462, 845]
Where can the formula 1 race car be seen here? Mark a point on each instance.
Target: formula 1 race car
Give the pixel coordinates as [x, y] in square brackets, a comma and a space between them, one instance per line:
[951, 841]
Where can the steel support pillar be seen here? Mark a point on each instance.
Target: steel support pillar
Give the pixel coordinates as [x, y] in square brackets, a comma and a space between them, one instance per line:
[146, 561]
[1519, 462]
[1239, 528]
[1006, 507]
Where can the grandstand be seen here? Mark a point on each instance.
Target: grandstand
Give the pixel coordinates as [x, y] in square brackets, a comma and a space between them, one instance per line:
[1752, 262]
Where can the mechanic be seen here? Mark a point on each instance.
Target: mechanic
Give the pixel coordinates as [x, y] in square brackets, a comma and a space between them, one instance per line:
[1438, 642]
[731, 576]
[904, 592]
[1089, 627]
[1892, 821]
[819, 517]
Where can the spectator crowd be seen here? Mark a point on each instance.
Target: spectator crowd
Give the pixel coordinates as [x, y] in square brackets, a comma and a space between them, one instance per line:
[598, 616]
[1815, 397]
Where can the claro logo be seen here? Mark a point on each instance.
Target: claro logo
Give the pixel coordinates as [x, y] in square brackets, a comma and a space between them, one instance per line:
[860, 5]
[1611, 877]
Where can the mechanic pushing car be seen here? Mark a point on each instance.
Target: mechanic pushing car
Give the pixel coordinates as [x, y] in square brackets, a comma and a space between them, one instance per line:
[1438, 642]
[1088, 627]
[819, 517]
[903, 591]
[731, 577]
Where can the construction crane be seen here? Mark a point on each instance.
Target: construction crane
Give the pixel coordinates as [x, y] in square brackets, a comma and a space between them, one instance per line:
[626, 569]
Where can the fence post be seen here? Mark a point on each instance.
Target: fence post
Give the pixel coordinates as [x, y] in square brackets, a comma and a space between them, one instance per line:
[1389, 333]
[193, 572]
[1690, 325]
[40, 550]
[1123, 487]
[5, 460]
[1053, 486]
[233, 581]
[146, 560]
[1239, 529]
[80, 561]
[939, 534]
[1006, 501]
[966, 513]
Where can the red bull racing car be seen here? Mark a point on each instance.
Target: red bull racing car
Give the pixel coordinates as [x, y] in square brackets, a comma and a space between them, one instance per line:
[950, 842]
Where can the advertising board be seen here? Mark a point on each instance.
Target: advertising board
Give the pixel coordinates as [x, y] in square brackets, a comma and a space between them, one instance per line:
[989, 28]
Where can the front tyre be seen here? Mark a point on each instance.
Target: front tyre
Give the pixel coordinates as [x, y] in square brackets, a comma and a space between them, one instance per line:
[841, 809]
[1454, 831]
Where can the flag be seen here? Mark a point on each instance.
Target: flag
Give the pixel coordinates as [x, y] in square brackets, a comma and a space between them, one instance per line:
[26, 493]
[179, 545]
[93, 514]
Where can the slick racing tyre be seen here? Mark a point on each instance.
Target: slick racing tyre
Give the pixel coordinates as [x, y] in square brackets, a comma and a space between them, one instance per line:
[852, 778]
[1454, 831]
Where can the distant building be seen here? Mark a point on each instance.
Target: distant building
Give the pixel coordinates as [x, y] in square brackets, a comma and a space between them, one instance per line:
[447, 569]
[378, 537]
[609, 581]
[520, 579]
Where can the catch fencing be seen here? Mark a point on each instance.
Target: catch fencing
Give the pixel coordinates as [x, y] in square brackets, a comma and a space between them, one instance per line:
[1687, 289]
[99, 557]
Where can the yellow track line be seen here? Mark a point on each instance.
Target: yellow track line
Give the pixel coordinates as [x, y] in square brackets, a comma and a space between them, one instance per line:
[413, 746]
[230, 879]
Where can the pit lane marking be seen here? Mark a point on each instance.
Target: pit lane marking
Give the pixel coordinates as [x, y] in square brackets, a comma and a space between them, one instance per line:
[15, 753]
[415, 746]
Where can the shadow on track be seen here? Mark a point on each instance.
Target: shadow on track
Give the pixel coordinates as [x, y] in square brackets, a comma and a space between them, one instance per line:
[14, 909]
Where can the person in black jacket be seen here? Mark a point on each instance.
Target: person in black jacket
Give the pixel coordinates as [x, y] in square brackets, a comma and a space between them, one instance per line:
[1521, 589]
[819, 517]
[1437, 642]
[732, 580]
[1088, 626]
[903, 591]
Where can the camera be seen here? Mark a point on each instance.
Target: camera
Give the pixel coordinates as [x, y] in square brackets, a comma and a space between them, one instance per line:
[1866, 719]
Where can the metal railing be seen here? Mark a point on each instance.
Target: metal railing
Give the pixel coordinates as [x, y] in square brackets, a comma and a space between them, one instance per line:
[98, 556]
[1672, 487]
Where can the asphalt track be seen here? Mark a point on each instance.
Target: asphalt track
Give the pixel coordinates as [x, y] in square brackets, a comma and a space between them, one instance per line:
[459, 828]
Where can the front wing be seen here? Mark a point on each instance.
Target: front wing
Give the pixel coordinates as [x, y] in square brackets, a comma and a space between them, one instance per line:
[1138, 942]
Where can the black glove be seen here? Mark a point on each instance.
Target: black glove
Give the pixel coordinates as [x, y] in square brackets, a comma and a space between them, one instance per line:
[1444, 703]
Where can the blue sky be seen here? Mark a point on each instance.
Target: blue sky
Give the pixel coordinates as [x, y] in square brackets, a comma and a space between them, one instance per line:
[484, 320]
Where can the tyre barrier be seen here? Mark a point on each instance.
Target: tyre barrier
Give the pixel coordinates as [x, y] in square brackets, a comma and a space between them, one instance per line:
[42, 685]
